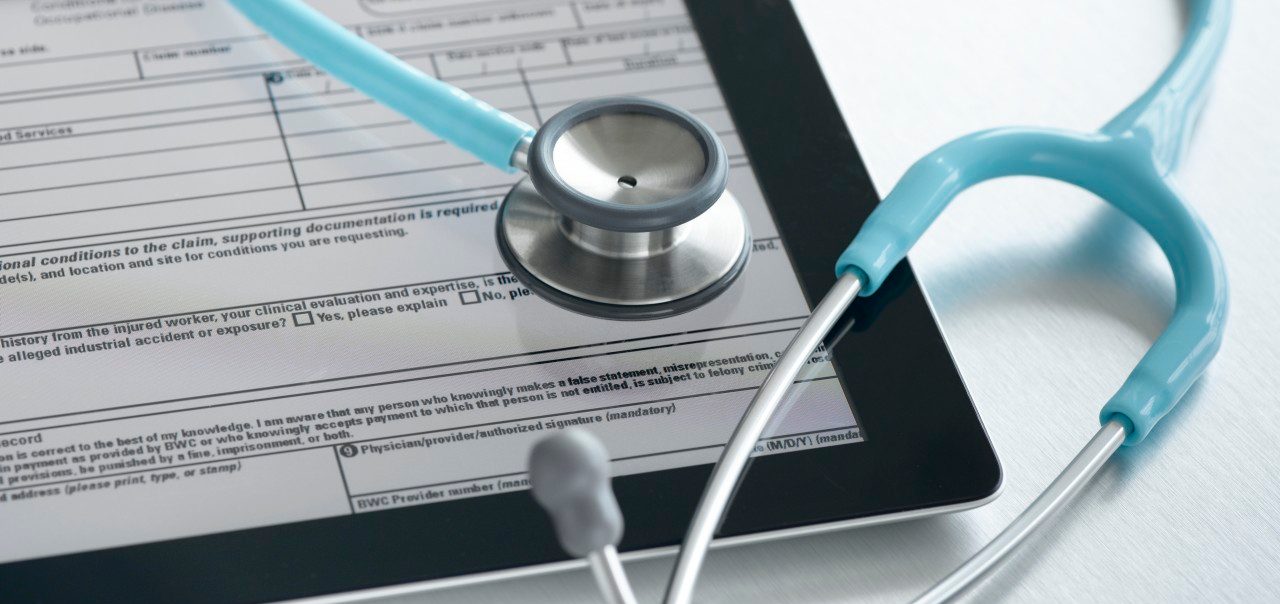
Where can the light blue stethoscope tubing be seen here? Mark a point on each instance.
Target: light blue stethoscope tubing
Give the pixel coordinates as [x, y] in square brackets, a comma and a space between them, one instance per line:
[449, 112]
[1128, 164]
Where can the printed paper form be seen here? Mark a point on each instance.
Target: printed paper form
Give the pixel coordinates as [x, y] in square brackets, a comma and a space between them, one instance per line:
[235, 293]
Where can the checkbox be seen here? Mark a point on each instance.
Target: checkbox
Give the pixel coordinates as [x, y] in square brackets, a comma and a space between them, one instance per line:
[470, 296]
[303, 318]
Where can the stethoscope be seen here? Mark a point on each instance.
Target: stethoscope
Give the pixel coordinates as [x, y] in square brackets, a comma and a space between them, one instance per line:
[624, 215]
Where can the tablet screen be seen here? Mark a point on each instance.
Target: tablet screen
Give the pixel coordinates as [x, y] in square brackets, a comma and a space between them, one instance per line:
[235, 293]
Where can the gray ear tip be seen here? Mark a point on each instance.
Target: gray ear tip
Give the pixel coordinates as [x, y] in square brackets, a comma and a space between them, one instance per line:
[574, 440]
[567, 459]
[569, 477]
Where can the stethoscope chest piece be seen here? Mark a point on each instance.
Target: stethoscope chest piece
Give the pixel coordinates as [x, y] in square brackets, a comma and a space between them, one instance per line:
[624, 214]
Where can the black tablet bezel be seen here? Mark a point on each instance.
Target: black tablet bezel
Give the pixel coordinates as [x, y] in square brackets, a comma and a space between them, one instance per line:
[925, 445]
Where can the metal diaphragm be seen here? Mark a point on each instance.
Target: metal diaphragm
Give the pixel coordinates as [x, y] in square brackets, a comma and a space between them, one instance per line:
[625, 214]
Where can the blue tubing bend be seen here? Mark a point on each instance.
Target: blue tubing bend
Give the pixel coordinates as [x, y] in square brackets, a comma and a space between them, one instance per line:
[1128, 164]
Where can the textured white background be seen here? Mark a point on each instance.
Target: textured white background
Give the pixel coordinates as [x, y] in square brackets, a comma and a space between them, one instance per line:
[1048, 298]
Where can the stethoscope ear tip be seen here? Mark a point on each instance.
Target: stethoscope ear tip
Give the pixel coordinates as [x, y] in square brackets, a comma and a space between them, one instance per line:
[569, 478]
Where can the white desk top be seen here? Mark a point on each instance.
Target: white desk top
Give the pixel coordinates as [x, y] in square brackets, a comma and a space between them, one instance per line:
[1077, 293]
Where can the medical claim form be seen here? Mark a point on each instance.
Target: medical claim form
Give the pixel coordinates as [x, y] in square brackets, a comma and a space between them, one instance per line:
[235, 293]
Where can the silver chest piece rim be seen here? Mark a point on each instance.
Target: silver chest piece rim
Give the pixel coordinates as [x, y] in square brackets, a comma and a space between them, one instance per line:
[624, 214]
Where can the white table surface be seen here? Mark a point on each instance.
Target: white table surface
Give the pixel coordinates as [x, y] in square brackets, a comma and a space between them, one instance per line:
[1048, 298]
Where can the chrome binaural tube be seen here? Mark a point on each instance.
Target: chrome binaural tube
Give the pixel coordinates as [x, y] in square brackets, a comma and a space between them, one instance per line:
[729, 469]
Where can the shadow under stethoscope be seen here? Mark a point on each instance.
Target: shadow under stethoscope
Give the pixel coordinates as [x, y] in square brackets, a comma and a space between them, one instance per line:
[1049, 277]
[1139, 295]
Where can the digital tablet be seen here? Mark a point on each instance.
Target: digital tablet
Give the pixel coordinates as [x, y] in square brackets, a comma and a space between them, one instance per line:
[257, 342]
